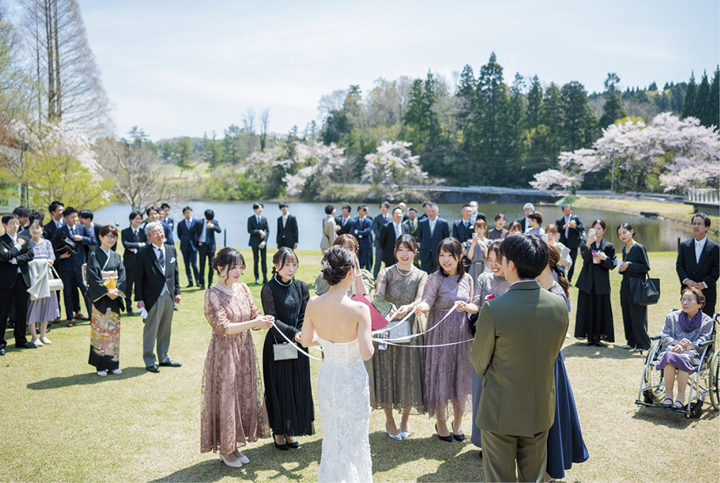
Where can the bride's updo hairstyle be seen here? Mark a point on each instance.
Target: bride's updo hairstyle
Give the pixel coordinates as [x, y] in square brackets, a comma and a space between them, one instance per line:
[336, 264]
[227, 258]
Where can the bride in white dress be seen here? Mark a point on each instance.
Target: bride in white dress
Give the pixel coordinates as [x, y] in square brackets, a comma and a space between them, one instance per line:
[342, 327]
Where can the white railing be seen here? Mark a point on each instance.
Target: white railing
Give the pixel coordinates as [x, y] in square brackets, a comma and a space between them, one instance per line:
[706, 196]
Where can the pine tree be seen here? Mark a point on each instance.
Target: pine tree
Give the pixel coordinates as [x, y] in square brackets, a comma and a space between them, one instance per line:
[688, 107]
[466, 94]
[534, 107]
[552, 117]
[714, 101]
[575, 115]
[613, 108]
[493, 123]
[702, 99]
[516, 120]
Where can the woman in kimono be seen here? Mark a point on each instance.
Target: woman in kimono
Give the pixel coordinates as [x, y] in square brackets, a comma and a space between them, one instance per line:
[106, 288]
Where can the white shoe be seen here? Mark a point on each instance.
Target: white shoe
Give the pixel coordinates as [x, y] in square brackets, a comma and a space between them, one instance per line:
[102, 373]
[116, 372]
[37, 343]
[243, 459]
[45, 340]
[396, 437]
[231, 464]
[405, 435]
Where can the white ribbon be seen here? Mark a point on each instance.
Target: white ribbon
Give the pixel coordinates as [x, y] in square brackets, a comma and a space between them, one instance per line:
[428, 346]
[452, 309]
[293, 344]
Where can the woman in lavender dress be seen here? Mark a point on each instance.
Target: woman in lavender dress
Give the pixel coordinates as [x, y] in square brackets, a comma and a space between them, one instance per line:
[476, 251]
[45, 309]
[684, 332]
[489, 284]
[535, 220]
[448, 370]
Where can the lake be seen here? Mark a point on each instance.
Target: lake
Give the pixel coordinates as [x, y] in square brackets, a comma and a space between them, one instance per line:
[655, 235]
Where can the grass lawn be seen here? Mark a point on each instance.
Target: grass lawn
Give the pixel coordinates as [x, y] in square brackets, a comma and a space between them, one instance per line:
[63, 423]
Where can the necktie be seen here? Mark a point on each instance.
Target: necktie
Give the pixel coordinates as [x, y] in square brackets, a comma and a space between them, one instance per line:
[567, 230]
[467, 224]
[72, 231]
[161, 259]
[698, 251]
[284, 220]
[385, 218]
[258, 219]
[135, 233]
[187, 222]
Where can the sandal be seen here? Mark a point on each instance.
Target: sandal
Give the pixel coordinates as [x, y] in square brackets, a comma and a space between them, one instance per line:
[678, 404]
[71, 323]
[667, 404]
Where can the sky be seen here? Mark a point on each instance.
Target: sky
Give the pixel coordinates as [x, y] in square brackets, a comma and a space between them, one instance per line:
[176, 68]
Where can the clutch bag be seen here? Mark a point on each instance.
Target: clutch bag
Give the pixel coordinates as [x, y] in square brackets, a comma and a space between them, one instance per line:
[398, 332]
[284, 352]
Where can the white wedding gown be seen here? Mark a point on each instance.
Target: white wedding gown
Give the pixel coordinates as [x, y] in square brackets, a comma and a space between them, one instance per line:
[344, 403]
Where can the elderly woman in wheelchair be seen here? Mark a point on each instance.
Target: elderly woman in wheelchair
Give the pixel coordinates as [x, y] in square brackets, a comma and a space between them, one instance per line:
[684, 333]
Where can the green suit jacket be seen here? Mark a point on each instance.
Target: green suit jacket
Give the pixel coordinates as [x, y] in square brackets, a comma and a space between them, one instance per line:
[518, 337]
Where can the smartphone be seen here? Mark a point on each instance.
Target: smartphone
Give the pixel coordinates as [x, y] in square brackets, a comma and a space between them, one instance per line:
[545, 237]
[591, 233]
[382, 335]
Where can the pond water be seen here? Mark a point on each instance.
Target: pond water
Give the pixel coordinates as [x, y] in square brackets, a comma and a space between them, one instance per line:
[655, 235]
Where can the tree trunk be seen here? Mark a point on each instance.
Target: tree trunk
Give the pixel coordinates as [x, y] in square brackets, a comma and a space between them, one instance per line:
[58, 88]
[51, 113]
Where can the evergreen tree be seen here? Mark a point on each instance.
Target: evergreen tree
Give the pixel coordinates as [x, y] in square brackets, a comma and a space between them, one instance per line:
[713, 115]
[688, 107]
[702, 98]
[231, 145]
[534, 107]
[576, 121]
[466, 95]
[552, 117]
[613, 108]
[493, 126]
[677, 98]
[653, 87]
[516, 120]
[413, 123]
[431, 117]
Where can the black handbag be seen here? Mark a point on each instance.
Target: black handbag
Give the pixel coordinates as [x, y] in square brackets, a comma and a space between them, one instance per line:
[645, 291]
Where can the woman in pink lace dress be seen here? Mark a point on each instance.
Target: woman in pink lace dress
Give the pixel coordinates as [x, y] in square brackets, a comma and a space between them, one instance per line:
[233, 409]
[448, 370]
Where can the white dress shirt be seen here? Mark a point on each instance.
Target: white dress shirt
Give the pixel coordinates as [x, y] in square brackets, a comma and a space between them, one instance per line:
[398, 230]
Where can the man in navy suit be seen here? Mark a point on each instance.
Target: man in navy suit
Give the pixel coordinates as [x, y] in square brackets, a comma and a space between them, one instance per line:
[389, 234]
[361, 229]
[343, 222]
[56, 212]
[431, 231]
[168, 222]
[188, 231]
[259, 230]
[698, 262]
[379, 223]
[570, 228]
[130, 239]
[206, 246]
[69, 265]
[464, 228]
[288, 234]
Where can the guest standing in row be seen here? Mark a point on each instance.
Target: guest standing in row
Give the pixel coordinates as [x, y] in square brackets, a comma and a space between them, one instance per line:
[153, 215]
[45, 309]
[343, 222]
[56, 209]
[207, 246]
[431, 231]
[397, 374]
[106, 287]
[594, 318]
[188, 231]
[499, 232]
[130, 238]
[361, 229]
[463, 229]
[259, 230]
[525, 221]
[168, 223]
[389, 234]
[287, 229]
[448, 370]
[412, 222]
[329, 229]
[288, 393]
[233, 409]
[698, 262]
[634, 267]
[379, 223]
[571, 229]
[476, 251]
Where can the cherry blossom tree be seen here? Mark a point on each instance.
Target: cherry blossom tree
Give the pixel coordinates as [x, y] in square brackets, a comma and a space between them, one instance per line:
[392, 167]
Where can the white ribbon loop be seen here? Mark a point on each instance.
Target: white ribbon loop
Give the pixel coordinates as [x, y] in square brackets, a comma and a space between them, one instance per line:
[294, 345]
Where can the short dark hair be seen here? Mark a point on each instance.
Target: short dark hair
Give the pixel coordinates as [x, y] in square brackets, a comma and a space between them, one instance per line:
[494, 246]
[386, 204]
[329, 209]
[36, 216]
[185, 209]
[7, 217]
[283, 205]
[598, 222]
[85, 214]
[346, 207]
[258, 205]
[209, 214]
[465, 206]
[54, 206]
[282, 256]
[514, 226]
[336, 264]
[537, 216]
[430, 204]
[702, 215]
[453, 247]
[425, 203]
[528, 253]
[413, 209]
[362, 207]
[229, 258]
[152, 208]
[566, 205]
[22, 211]
[134, 214]
[499, 216]
[69, 211]
[164, 205]
[397, 208]
[108, 230]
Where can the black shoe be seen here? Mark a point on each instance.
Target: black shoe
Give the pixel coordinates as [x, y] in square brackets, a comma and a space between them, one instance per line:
[294, 445]
[47, 329]
[189, 285]
[458, 437]
[590, 343]
[170, 364]
[80, 316]
[2, 351]
[56, 321]
[480, 454]
[264, 280]
[283, 447]
[154, 369]
[131, 313]
[202, 286]
[175, 308]
[599, 344]
[26, 345]
[11, 325]
[447, 439]
[257, 281]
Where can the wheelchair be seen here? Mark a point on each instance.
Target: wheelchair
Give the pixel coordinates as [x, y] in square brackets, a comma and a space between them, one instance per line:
[703, 383]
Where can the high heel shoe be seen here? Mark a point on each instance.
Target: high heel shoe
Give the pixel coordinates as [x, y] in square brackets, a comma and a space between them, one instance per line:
[396, 437]
[447, 439]
[293, 445]
[458, 437]
[231, 464]
[283, 447]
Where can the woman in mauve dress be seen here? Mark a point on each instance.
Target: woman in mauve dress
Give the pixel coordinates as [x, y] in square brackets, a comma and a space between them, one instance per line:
[47, 308]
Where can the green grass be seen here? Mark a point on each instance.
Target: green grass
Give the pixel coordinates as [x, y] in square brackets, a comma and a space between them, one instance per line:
[63, 423]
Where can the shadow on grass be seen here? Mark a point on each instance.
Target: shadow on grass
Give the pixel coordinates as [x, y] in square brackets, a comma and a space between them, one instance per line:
[673, 419]
[84, 379]
[580, 349]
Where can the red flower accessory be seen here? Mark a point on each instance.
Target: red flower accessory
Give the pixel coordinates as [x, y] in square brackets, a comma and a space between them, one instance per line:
[490, 297]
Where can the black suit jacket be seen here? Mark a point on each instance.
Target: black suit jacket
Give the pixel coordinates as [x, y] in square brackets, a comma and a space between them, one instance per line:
[428, 243]
[188, 237]
[209, 233]
[379, 222]
[49, 230]
[129, 240]
[344, 230]
[75, 262]
[573, 238]
[253, 227]
[462, 233]
[596, 276]
[288, 236]
[149, 277]
[387, 241]
[166, 229]
[706, 271]
[8, 270]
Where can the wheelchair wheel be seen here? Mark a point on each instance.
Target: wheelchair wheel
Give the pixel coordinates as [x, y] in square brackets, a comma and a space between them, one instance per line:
[653, 377]
[715, 380]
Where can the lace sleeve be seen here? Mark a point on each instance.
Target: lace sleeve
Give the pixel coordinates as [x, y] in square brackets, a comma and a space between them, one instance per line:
[431, 288]
[421, 287]
[215, 313]
[468, 279]
[381, 283]
[254, 310]
[480, 290]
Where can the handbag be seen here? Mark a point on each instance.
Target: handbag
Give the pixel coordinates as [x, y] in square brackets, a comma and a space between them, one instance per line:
[54, 281]
[397, 331]
[645, 291]
[283, 351]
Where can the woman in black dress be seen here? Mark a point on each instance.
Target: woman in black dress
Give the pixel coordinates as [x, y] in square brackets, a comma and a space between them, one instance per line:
[635, 265]
[288, 394]
[594, 319]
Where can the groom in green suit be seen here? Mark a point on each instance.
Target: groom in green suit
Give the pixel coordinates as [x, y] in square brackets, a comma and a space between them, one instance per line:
[518, 337]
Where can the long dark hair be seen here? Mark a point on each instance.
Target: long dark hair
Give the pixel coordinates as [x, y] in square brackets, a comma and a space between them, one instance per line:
[553, 261]
[228, 258]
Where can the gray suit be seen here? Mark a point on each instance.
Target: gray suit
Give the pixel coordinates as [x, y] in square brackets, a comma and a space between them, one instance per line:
[519, 335]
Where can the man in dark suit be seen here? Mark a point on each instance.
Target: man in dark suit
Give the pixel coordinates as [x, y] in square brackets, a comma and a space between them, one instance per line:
[206, 246]
[56, 212]
[259, 230]
[69, 265]
[476, 215]
[379, 223]
[361, 229]
[412, 222]
[168, 222]
[524, 222]
[188, 231]
[85, 217]
[570, 229]
[403, 207]
[23, 214]
[130, 238]
[343, 222]
[464, 228]
[157, 289]
[518, 337]
[698, 262]
[424, 216]
[391, 232]
[288, 234]
[153, 214]
[431, 231]
[15, 253]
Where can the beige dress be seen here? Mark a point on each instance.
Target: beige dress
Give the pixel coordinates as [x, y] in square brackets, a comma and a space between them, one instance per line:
[397, 375]
[233, 406]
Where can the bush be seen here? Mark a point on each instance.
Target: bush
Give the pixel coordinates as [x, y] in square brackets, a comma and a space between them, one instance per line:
[227, 185]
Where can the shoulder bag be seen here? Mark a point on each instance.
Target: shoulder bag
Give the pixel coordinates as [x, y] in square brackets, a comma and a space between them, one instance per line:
[54, 280]
[645, 291]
